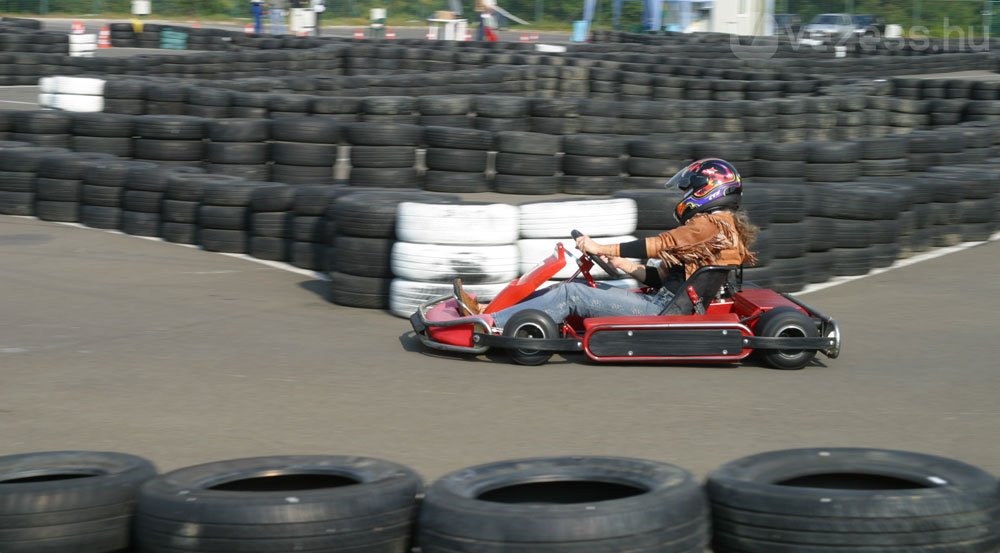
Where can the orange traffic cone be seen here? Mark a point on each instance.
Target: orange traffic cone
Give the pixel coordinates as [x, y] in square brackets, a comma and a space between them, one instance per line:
[104, 37]
[468, 35]
[534, 37]
[390, 34]
[359, 34]
[248, 29]
[78, 28]
[525, 37]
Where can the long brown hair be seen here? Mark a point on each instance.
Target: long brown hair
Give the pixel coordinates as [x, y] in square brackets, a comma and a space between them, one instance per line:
[746, 229]
[747, 232]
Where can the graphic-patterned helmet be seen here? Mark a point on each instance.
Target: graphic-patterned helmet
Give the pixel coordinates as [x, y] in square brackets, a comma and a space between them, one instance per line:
[710, 184]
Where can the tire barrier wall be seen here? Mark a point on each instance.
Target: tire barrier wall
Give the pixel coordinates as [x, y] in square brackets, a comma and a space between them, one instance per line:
[868, 56]
[814, 499]
[531, 80]
[846, 113]
[302, 149]
[226, 55]
[853, 220]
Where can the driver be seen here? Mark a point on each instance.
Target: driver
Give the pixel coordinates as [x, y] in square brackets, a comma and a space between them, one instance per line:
[712, 231]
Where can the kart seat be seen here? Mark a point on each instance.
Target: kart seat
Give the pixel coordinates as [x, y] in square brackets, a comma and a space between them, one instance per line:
[707, 282]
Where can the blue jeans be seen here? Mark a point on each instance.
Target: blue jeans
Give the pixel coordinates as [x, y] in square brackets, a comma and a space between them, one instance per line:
[257, 11]
[576, 298]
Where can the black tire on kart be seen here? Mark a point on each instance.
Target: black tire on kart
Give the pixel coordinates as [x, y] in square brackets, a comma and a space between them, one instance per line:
[786, 321]
[530, 323]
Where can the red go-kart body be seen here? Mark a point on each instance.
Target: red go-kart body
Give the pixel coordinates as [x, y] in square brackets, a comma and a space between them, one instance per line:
[725, 326]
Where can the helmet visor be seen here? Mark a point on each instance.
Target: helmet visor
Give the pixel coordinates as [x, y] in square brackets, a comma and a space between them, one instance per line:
[686, 179]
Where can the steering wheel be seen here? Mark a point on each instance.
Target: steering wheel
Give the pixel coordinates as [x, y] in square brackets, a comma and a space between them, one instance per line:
[596, 259]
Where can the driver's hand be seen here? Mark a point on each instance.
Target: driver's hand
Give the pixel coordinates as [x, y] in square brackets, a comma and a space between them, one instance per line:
[586, 245]
[622, 264]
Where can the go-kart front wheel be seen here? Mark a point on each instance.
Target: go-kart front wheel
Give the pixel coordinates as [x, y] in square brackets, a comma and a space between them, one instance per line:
[531, 324]
[787, 322]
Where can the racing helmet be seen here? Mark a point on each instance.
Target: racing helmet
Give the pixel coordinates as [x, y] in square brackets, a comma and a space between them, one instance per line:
[709, 184]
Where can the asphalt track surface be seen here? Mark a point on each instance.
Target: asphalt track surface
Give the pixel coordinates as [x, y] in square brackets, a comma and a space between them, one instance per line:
[113, 342]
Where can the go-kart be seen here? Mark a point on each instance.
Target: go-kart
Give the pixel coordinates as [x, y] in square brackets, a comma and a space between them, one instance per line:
[714, 317]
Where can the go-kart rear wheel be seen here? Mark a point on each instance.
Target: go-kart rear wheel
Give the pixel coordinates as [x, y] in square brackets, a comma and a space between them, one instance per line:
[791, 323]
[532, 324]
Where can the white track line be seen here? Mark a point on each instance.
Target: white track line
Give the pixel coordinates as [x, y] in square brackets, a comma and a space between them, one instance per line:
[18, 102]
[933, 254]
[835, 281]
[273, 264]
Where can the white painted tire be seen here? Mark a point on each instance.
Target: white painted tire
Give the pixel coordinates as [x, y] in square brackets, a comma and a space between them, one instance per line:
[444, 262]
[609, 217]
[406, 295]
[47, 85]
[45, 100]
[489, 224]
[534, 250]
[78, 103]
[88, 38]
[75, 49]
[80, 85]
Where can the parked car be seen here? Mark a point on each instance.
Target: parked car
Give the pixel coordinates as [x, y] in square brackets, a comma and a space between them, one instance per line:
[830, 26]
[869, 25]
[789, 23]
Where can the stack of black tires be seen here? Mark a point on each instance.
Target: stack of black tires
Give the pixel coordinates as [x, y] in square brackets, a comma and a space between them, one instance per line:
[365, 222]
[527, 163]
[844, 499]
[815, 500]
[384, 154]
[305, 149]
[457, 159]
[585, 504]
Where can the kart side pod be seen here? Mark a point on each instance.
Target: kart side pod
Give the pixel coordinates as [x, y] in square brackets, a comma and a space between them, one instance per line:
[670, 338]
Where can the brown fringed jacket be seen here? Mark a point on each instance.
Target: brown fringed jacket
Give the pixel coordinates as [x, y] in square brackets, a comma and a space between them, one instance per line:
[705, 239]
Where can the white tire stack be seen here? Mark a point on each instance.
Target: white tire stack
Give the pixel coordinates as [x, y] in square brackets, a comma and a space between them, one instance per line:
[82, 46]
[607, 217]
[439, 242]
[544, 224]
[81, 94]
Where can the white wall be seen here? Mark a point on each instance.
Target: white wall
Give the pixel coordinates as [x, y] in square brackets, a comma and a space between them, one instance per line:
[742, 17]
